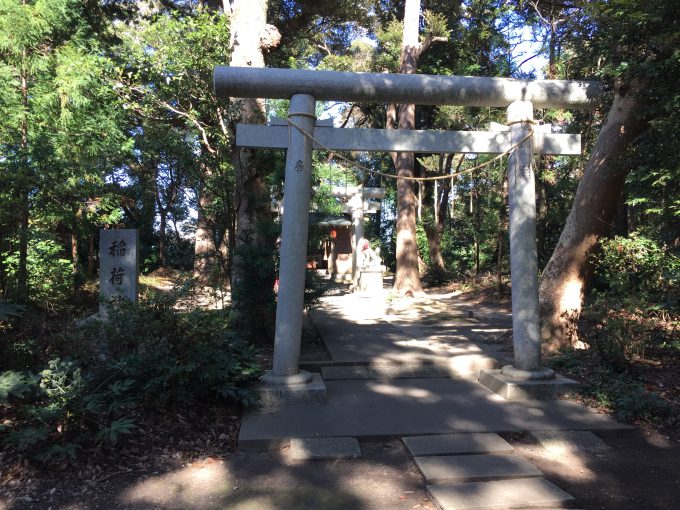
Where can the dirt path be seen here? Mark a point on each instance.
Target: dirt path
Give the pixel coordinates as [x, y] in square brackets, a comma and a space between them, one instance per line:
[637, 471]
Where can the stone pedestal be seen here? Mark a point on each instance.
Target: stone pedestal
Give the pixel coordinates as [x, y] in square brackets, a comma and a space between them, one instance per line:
[371, 279]
[303, 388]
[511, 388]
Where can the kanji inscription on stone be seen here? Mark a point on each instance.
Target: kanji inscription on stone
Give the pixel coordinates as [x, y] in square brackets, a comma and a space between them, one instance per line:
[118, 267]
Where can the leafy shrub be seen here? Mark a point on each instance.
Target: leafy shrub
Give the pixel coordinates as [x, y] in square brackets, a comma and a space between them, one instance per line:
[628, 399]
[435, 276]
[50, 280]
[618, 392]
[636, 267]
[316, 287]
[618, 335]
[180, 357]
[62, 409]
[256, 292]
[635, 278]
[9, 311]
[147, 356]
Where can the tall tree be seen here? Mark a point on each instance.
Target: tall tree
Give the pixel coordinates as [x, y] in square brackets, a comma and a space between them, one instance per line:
[253, 267]
[564, 279]
[58, 120]
[165, 80]
[634, 47]
[403, 116]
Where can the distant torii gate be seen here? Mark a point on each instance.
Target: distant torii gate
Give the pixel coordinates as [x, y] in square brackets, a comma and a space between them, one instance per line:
[305, 87]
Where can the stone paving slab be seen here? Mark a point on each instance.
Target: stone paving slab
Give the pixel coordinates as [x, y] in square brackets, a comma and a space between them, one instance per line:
[375, 340]
[502, 494]
[319, 448]
[471, 468]
[405, 407]
[572, 441]
[387, 371]
[391, 371]
[345, 372]
[355, 330]
[437, 370]
[457, 444]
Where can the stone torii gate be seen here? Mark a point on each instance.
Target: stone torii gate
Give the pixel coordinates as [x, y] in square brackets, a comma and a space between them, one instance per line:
[305, 87]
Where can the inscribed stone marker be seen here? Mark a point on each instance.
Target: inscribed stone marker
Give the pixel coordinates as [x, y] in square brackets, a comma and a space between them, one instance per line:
[118, 266]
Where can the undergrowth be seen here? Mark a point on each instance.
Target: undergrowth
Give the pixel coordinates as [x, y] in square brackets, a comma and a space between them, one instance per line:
[148, 356]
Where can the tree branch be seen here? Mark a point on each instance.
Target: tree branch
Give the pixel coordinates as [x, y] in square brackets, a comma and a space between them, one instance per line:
[169, 107]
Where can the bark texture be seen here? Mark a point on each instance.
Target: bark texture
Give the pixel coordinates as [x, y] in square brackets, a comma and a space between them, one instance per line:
[24, 201]
[407, 279]
[435, 230]
[205, 264]
[253, 264]
[566, 274]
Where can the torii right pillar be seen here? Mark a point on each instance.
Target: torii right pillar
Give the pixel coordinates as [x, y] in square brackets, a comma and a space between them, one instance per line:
[526, 378]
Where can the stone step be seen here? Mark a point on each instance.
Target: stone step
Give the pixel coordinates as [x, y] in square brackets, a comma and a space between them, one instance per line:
[473, 468]
[501, 494]
[320, 448]
[457, 444]
[472, 363]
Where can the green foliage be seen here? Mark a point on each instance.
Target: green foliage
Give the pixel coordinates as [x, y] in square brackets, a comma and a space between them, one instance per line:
[436, 25]
[61, 130]
[253, 299]
[16, 384]
[628, 398]
[61, 416]
[421, 240]
[175, 357]
[619, 336]
[315, 288]
[435, 276]
[638, 268]
[50, 274]
[156, 356]
[620, 393]
[637, 285]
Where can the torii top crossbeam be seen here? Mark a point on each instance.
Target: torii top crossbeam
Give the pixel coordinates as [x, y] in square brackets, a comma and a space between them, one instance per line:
[404, 88]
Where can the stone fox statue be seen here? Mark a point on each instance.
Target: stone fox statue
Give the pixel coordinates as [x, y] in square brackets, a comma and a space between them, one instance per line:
[368, 257]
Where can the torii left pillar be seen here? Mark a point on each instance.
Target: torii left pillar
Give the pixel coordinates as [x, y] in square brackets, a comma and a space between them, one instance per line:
[286, 382]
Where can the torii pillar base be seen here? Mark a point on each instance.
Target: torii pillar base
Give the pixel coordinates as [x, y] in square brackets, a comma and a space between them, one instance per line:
[515, 384]
[303, 388]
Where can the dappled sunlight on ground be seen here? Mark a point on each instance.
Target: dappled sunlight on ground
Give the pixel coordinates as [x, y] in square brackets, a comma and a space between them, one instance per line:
[423, 395]
[199, 484]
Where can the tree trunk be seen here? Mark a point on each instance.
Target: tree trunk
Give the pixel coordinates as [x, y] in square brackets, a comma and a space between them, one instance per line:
[77, 219]
[162, 212]
[24, 200]
[253, 272]
[435, 231]
[566, 275]
[407, 278]
[503, 228]
[90, 257]
[208, 261]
